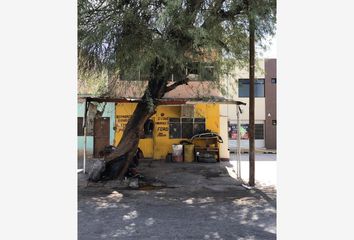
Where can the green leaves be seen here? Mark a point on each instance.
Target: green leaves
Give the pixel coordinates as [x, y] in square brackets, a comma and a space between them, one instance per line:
[121, 35]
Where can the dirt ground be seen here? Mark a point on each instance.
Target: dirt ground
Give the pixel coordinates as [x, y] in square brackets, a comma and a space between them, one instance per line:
[182, 201]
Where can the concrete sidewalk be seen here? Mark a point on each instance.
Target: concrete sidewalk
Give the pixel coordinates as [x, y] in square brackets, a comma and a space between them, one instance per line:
[265, 168]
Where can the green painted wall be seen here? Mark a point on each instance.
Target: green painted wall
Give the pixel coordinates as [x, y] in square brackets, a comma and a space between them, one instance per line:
[108, 112]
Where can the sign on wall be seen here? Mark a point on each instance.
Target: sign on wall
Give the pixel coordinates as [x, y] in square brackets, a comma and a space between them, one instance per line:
[233, 131]
[161, 124]
[121, 122]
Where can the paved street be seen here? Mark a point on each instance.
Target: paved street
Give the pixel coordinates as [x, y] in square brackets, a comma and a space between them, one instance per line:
[199, 201]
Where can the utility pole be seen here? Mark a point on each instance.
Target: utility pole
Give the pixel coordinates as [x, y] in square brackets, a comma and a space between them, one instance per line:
[251, 128]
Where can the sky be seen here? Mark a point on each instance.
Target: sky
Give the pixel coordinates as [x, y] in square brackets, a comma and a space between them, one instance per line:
[271, 52]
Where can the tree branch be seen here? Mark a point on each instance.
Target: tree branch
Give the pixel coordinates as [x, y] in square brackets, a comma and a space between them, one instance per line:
[176, 84]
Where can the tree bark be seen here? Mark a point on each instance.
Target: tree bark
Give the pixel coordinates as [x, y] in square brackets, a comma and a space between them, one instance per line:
[251, 127]
[128, 145]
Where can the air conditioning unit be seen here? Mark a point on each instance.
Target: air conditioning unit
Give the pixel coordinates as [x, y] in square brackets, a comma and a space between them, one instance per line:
[187, 111]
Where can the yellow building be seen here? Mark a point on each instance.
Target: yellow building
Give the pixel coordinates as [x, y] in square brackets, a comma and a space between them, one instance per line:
[173, 123]
[187, 110]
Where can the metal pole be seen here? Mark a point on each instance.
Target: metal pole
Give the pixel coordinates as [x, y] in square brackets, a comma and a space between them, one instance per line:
[238, 150]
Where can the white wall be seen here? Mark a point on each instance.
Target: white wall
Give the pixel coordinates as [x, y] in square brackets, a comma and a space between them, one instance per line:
[230, 109]
[259, 143]
[224, 152]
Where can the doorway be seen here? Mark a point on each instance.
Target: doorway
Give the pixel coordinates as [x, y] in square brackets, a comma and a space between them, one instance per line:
[101, 135]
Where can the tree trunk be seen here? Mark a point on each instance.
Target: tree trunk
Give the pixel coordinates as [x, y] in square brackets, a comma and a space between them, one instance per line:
[251, 127]
[117, 163]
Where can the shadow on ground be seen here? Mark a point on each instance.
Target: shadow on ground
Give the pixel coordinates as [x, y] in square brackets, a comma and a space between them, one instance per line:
[198, 201]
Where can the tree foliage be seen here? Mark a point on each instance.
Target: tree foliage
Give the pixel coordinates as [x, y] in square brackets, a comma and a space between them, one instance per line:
[122, 36]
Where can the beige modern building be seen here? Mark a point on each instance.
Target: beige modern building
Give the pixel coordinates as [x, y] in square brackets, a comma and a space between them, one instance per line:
[237, 88]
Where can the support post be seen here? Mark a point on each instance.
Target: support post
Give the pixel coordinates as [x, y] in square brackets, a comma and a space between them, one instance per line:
[85, 135]
[251, 129]
[238, 150]
[84, 160]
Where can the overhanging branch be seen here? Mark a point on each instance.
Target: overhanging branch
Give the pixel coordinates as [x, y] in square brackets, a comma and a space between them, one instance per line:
[176, 84]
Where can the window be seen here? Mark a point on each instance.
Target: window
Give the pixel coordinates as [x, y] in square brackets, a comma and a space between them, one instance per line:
[274, 122]
[259, 131]
[193, 68]
[186, 127]
[198, 126]
[203, 71]
[244, 88]
[175, 128]
[80, 129]
[207, 72]
[274, 80]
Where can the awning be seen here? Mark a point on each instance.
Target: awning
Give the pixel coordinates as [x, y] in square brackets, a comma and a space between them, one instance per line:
[166, 101]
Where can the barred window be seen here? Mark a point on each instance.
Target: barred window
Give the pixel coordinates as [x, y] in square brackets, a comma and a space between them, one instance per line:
[198, 126]
[186, 127]
[259, 131]
[175, 128]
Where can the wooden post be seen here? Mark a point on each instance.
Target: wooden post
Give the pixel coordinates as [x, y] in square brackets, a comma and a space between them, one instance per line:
[85, 134]
[251, 128]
